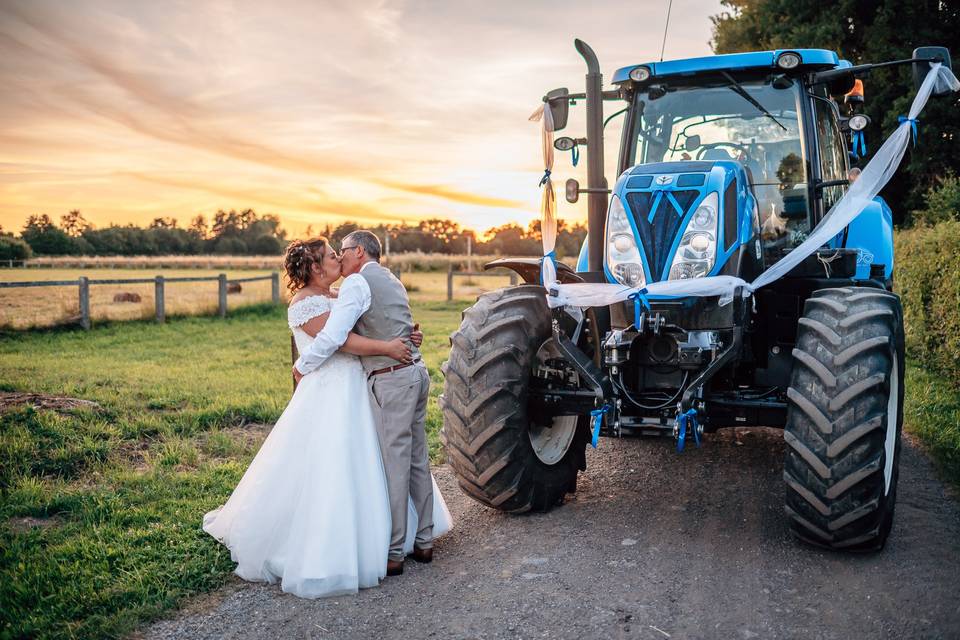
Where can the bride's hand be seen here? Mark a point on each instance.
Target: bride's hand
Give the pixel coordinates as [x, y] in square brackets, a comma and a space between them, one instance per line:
[399, 351]
[416, 337]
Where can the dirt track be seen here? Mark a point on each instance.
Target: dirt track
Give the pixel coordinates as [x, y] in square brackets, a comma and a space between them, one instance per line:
[653, 545]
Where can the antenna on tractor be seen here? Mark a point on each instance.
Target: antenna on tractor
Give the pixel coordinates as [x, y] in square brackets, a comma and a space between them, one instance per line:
[664, 45]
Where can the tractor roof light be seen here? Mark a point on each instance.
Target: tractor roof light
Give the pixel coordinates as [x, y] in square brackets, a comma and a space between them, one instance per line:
[640, 74]
[855, 95]
[789, 60]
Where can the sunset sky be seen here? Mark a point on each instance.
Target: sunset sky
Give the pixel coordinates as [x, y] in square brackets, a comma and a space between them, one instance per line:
[321, 111]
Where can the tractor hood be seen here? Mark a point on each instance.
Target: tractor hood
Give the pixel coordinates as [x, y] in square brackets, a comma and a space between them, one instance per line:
[661, 200]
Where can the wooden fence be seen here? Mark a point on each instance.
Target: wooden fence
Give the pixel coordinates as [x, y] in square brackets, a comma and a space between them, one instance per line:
[83, 285]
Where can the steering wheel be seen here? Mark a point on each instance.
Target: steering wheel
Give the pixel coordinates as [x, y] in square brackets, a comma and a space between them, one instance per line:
[739, 148]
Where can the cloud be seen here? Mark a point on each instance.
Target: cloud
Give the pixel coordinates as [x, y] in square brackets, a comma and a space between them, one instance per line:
[452, 195]
[162, 115]
[319, 203]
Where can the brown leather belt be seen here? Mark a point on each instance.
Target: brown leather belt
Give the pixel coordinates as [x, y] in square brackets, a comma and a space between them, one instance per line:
[395, 367]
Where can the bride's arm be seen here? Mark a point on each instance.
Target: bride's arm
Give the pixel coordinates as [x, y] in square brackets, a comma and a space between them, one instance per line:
[359, 345]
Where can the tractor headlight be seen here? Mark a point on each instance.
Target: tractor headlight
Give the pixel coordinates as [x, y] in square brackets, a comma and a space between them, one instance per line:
[623, 254]
[697, 251]
[858, 122]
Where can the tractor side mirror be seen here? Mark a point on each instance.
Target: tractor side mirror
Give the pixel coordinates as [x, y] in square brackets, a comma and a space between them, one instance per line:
[558, 102]
[921, 69]
[692, 142]
[572, 189]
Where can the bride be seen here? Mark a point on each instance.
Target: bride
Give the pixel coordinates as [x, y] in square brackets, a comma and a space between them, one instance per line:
[312, 510]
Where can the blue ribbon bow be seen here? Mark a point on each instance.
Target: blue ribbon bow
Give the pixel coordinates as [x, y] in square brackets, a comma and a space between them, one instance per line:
[859, 145]
[913, 126]
[639, 298]
[546, 176]
[684, 420]
[553, 258]
[596, 416]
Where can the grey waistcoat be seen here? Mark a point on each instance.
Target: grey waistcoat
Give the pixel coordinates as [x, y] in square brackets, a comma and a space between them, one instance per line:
[389, 315]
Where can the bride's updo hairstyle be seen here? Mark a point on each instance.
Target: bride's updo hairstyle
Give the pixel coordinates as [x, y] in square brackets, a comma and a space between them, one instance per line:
[300, 256]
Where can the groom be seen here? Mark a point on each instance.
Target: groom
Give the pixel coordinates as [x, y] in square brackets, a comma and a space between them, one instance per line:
[373, 303]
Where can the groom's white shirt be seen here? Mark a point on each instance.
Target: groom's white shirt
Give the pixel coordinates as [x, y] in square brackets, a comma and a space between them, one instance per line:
[352, 302]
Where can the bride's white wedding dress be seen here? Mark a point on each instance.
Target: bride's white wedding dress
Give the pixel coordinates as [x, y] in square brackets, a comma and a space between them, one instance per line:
[312, 511]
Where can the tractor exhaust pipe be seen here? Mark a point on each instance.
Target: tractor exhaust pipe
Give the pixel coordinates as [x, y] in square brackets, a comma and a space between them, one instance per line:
[596, 181]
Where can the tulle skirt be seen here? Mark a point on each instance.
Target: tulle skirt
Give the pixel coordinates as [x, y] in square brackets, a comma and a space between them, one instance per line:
[312, 512]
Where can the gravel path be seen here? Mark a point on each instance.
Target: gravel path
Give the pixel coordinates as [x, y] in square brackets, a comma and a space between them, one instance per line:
[653, 545]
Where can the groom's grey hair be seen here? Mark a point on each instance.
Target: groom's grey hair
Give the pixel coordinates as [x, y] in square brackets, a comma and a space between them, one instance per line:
[368, 240]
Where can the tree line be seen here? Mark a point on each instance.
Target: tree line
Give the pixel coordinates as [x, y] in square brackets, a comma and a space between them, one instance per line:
[862, 32]
[248, 233]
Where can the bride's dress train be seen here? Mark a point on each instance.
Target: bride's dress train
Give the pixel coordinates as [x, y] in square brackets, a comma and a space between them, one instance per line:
[312, 510]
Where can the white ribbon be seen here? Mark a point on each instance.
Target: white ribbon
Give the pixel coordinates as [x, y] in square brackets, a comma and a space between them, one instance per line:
[548, 204]
[872, 179]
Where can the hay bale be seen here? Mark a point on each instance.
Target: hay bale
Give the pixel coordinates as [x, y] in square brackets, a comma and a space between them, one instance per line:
[126, 296]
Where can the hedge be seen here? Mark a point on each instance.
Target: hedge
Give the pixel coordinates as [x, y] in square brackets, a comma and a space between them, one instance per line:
[927, 277]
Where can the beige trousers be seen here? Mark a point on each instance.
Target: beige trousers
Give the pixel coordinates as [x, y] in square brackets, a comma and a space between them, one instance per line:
[399, 403]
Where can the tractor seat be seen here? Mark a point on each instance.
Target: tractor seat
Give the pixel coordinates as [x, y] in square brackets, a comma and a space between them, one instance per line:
[716, 154]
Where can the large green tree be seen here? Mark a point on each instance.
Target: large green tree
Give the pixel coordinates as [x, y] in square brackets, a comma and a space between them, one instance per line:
[864, 31]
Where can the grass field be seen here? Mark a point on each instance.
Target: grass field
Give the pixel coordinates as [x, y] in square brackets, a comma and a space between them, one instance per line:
[100, 506]
[23, 308]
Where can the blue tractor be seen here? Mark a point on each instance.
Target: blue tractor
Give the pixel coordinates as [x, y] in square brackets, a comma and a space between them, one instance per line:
[725, 165]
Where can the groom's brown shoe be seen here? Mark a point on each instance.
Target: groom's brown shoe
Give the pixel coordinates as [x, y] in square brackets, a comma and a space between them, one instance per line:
[394, 567]
[422, 555]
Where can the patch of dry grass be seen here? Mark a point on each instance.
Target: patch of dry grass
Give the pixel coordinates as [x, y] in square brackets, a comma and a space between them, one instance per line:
[23, 308]
[271, 263]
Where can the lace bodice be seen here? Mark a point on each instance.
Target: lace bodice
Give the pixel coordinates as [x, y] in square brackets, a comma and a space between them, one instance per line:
[304, 310]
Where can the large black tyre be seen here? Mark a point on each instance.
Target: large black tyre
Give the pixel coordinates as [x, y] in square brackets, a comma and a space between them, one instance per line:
[844, 418]
[486, 430]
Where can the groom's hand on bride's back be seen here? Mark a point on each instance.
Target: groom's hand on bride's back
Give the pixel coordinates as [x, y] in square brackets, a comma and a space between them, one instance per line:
[399, 351]
[416, 337]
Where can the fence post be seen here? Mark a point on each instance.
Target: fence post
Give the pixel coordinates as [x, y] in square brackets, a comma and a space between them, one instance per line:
[513, 278]
[158, 299]
[275, 287]
[449, 282]
[84, 302]
[222, 309]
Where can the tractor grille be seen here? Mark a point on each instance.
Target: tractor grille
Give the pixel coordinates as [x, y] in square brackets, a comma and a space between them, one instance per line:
[658, 227]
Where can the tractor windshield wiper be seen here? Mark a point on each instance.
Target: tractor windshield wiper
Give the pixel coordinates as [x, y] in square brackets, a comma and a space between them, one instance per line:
[737, 88]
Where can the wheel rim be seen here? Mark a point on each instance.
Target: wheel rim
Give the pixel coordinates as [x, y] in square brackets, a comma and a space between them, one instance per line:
[890, 444]
[550, 444]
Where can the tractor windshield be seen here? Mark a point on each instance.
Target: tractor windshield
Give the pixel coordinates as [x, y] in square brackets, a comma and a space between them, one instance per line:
[722, 121]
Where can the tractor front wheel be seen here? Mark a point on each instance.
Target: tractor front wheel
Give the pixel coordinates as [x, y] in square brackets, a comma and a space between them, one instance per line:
[844, 418]
[503, 458]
